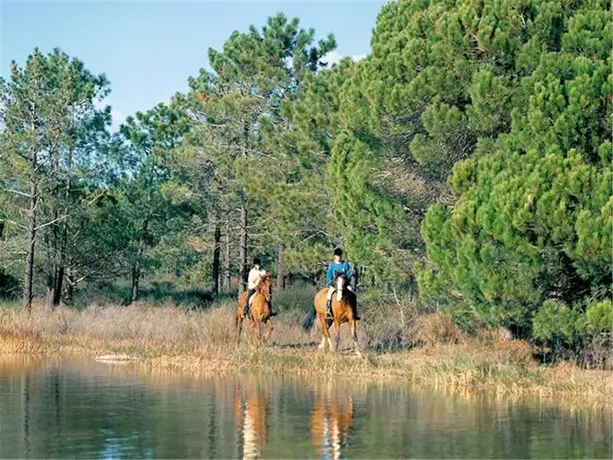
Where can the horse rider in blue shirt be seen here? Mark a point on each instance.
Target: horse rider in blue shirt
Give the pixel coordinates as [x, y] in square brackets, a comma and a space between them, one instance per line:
[336, 267]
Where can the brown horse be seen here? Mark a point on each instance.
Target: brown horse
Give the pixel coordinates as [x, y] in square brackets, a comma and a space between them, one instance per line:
[344, 310]
[259, 310]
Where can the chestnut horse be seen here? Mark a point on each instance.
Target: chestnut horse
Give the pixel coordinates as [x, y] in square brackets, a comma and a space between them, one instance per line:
[259, 310]
[344, 310]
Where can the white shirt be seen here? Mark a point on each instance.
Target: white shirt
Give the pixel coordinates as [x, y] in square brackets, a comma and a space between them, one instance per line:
[254, 277]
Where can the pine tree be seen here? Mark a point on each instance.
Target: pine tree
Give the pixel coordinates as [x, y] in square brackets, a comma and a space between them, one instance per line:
[147, 193]
[239, 109]
[50, 142]
[441, 76]
[527, 243]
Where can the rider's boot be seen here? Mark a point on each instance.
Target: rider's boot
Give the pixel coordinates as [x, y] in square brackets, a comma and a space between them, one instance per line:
[329, 308]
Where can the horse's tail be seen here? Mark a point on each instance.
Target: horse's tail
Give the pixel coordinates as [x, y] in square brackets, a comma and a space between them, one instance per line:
[309, 320]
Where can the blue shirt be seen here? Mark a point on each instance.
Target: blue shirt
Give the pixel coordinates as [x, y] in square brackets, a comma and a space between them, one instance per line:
[336, 268]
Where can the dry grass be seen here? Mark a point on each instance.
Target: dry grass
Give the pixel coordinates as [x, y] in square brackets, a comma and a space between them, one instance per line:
[171, 339]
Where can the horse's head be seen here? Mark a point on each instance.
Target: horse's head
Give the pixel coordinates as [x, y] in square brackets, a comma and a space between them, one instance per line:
[341, 284]
[264, 287]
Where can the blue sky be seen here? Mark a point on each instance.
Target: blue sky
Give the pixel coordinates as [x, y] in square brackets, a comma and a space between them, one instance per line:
[148, 49]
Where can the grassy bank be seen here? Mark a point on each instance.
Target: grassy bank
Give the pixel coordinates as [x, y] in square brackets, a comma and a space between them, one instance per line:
[202, 341]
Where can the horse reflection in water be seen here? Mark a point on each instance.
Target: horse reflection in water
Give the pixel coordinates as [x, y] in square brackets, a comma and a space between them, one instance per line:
[331, 421]
[251, 418]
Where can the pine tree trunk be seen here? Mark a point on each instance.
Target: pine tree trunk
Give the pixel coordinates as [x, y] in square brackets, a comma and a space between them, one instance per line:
[136, 267]
[51, 277]
[59, 281]
[55, 270]
[242, 249]
[50, 284]
[135, 279]
[51, 235]
[69, 287]
[280, 269]
[54, 286]
[29, 273]
[62, 245]
[55, 280]
[226, 259]
[216, 251]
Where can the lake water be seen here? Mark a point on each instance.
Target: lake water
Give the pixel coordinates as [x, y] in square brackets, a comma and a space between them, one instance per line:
[84, 409]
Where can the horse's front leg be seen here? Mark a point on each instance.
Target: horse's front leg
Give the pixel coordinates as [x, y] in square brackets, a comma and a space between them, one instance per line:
[259, 326]
[325, 332]
[337, 334]
[250, 331]
[269, 329]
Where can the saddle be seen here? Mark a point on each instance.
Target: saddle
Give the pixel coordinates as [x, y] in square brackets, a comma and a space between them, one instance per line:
[329, 314]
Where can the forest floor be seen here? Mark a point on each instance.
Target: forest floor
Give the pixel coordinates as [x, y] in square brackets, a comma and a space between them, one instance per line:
[204, 341]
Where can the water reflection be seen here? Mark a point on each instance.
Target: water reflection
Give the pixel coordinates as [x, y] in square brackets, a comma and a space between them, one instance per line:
[251, 416]
[331, 419]
[80, 409]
